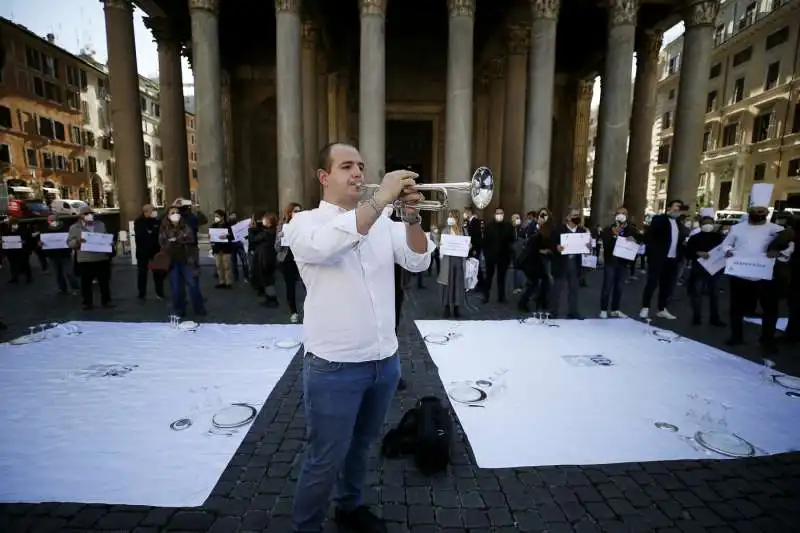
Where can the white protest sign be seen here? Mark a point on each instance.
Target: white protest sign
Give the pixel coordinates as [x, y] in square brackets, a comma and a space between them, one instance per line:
[240, 230]
[753, 267]
[12, 242]
[589, 261]
[625, 248]
[96, 242]
[218, 235]
[454, 245]
[715, 262]
[54, 241]
[575, 243]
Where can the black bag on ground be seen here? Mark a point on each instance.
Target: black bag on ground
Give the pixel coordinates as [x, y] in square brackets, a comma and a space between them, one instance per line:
[425, 432]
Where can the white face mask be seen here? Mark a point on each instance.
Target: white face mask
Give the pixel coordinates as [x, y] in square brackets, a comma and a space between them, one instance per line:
[451, 221]
[434, 230]
[498, 218]
[88, 218]
[14, 227]
[621, 218]
[174, 218]
[53, 224]
[217, 219]
[153, 214]
[265, 223]
[517, 222]
[707, 227]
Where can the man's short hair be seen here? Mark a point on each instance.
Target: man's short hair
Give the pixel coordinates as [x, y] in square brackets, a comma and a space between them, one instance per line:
[324, 159]
[675, 201]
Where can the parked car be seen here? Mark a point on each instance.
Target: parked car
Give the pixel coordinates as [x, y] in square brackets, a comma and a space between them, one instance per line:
[67, 207]
[21, 208]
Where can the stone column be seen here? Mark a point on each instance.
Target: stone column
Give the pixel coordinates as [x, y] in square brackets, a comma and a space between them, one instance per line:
[514, 120]
[458, 132]
[615, 111]
[322, 102]
[308, 61]
[290, 102]
[126, 112]
[372, 89]
[227, 140]
[497, 105]
[343, 107]
[539, 124]
[642, 117]
[172, 128]
[581, 145]
[480, 139]
[208, 104]
[698, 44]
[562, 148]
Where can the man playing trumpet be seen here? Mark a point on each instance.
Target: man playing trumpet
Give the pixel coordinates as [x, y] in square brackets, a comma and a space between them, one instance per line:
[345, 252]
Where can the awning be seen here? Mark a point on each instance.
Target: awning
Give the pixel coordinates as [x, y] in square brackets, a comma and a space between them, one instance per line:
[21, 189]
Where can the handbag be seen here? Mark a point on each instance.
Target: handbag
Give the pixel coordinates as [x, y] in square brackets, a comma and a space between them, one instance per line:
[160, 262]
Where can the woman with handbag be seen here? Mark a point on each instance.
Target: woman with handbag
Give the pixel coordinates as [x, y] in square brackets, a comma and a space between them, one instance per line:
[179, 260]
[262, 238]
[451, 274]
[291, 275]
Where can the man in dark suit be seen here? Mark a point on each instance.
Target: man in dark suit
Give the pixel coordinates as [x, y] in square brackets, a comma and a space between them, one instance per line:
[566, 269]
[497, 251]
[664, 242]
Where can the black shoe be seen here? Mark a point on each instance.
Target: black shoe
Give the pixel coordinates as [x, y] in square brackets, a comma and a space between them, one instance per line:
[446, 312]
[523, 308]
[574, 316]
[219, 286]
[696, 321]
[401, 385]
[360, 520]
[718, 323]
[456, 312]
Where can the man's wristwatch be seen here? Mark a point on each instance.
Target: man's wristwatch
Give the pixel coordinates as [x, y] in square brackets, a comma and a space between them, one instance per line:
[412, 219]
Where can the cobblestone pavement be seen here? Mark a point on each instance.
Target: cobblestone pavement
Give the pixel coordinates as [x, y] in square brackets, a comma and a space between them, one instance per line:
[254, 493]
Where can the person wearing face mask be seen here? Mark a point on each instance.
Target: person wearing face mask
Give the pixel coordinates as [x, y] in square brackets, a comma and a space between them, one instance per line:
[60, 258]
[451, 276]
[517, 249]
[145, 228]
[664, 243]
[19, 259]
[497, 251]
[535, 263]
[435, 256]
[752, 239]
[239, 254]
[262, 240]
[288, 266]
[222, 252]
[91, 265]
[566, 269]
[700, 281]
[615, 269]
[177, 242]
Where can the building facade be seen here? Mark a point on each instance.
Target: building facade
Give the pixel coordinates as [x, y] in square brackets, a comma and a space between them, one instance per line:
[751, 99]
[153, 154]
[97, 141]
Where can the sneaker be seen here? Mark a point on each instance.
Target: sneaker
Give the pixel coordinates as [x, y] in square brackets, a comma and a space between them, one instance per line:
[294, 318]
[666, 314]
[644, 313]
[360, 520]
[618, 314]
[603, 314]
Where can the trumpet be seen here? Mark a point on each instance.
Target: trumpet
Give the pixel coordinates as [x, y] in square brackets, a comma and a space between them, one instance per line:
[480, 189]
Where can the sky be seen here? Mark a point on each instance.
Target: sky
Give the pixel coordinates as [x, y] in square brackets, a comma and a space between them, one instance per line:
[80, 23]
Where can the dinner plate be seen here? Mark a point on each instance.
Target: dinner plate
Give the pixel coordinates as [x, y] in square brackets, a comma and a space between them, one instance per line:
[784, 380]
[189, 325]
[666, 426]
[436, 339]
[666, 335]
[287, 344]
[234, 416]
[25, 339]
[466, 394]
[181, 424]
[725, 443]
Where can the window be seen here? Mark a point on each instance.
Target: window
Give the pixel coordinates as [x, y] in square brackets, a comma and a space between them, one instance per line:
[143, 104]
[28, 123]
[77, 165]
[38, 87]
[742, 56]
[5, 117]
[777, 38]
[50, 66]
[92, 164]
[106, 143]
[194, 176]
[46, 128]
[31, 157]
[796, 118]
[794, 168]
[109, 170]
[671, 97]
[706, 140]
[759, 172]
[33, 58]
[729, 134]
[62, 163]
[155, 109]
[102, 90]
[88, 139]
[761, 127]
[673, 65]
[148, 173]
[75, 135]
[73, 78]
[52, 92]
[84, 81]
[85, 111]
[716, 70]
[60, 131]
[5, 154]
[159, 154]
[773, 72]
[719, 34]
[72, 99]
[147, 151]
[738, 90]
[666, 120]
[47, 160]
[663, 154]
[711, 102]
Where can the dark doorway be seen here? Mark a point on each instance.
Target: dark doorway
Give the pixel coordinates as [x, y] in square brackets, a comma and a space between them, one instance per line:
[724, 194]
[409, 145]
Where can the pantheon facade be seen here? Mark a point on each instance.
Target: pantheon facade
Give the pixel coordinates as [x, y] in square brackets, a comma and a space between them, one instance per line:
[440, 86]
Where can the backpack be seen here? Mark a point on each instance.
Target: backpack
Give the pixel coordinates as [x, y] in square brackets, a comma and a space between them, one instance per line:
[425, 432]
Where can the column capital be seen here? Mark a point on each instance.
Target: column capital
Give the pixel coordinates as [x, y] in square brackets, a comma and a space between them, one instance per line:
[496, 68]
[649, 45]
[126, 5]
[545, 9]
[309, 33]
[204, 5]
[622, 12]
[702, 13]
[287, 6]
[372, 7]
[519, 39]
[461, 8]
[162, 30]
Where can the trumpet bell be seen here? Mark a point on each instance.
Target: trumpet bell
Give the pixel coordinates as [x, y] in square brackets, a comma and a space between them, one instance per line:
[482, 187]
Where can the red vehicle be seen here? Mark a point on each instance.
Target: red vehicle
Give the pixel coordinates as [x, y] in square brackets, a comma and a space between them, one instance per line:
[21, 204]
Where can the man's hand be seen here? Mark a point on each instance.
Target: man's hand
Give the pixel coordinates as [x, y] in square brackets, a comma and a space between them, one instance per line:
[704, 255]
[772, 254]
[560, 248]
[615, 230]
[395, 184]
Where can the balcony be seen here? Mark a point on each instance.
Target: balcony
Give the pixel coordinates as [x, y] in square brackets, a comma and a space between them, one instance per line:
[747, 21]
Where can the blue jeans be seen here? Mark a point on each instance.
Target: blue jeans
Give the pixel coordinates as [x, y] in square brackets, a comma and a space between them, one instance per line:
[345, 406]
[614, 274]
[65, 277]
[179, 274]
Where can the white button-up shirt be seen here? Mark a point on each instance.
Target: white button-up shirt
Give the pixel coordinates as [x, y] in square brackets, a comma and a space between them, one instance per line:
[349, 309]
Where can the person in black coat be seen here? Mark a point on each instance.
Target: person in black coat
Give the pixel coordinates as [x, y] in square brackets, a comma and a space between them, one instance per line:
[664, 249]
[566, 269]
[497, 251]
[60, 258]
[145, 230]
[535, 262]
[19, 259]
[700, 281]
[615, 269]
